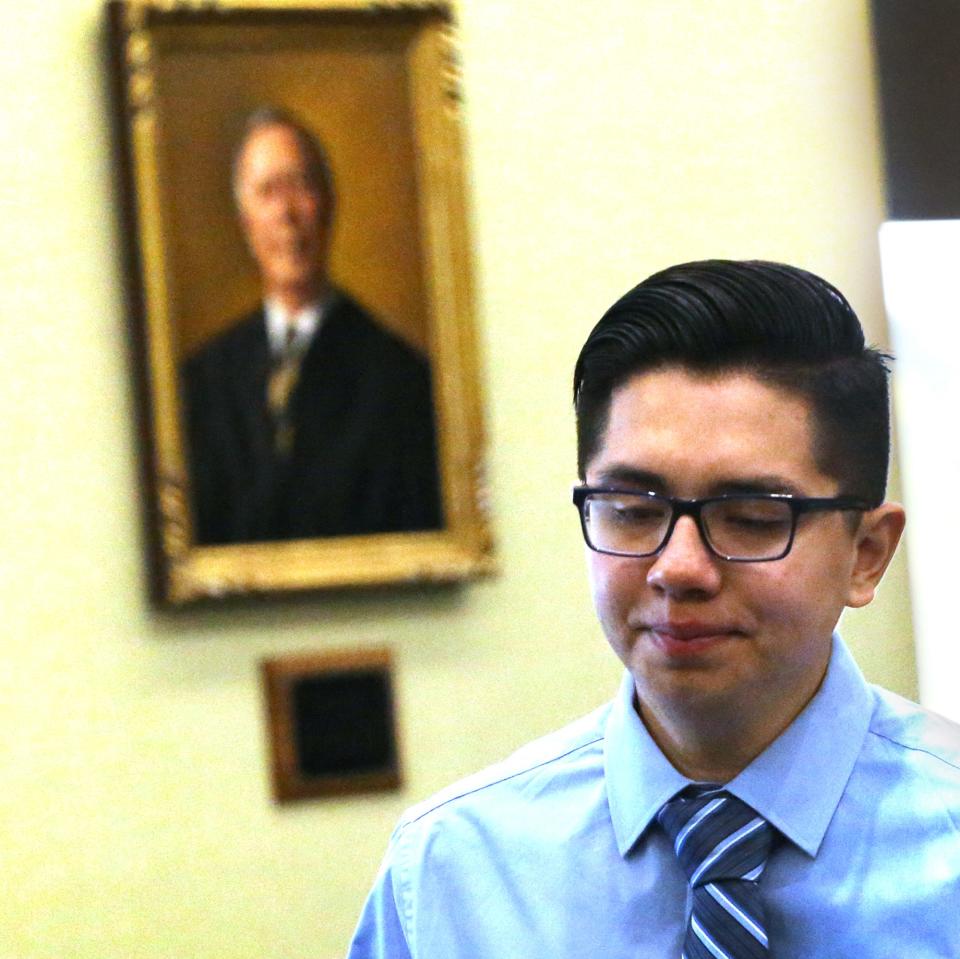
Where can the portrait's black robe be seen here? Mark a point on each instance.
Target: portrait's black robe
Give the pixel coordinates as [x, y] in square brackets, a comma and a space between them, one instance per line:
[363, 458]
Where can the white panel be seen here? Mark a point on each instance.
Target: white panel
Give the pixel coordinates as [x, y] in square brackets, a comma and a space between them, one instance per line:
[921, 282]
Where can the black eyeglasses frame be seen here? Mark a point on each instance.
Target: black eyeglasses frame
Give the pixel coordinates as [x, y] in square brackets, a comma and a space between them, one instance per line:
[694, 507]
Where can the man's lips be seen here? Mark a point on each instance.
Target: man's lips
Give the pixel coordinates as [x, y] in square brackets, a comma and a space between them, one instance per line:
[291, 248]
[689, 631]
[689, 638]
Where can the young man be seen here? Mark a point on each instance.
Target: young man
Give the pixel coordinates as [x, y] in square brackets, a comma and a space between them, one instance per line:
[747, 794]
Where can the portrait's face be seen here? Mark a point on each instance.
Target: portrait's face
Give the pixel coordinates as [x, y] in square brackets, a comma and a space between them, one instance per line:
[695, 631]
[281, 211]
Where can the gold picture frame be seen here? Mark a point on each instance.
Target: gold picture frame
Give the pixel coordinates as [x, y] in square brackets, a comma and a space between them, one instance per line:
[380, 84]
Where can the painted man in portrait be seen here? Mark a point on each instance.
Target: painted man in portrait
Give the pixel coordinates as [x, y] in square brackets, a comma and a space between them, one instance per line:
[306, 417]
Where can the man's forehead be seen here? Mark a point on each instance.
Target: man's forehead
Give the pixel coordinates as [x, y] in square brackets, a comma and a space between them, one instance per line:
[676, 383]
[718, 431]
[267, 144]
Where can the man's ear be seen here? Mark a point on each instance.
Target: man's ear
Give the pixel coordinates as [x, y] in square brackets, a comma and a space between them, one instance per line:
[875, 542]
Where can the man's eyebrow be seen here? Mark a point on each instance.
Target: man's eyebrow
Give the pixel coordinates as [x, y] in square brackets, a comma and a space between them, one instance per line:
[629, 476]
[757, 484]
[647, 481]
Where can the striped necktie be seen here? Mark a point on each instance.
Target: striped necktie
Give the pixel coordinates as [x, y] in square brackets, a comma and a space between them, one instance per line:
[280, 386]
[722, 845]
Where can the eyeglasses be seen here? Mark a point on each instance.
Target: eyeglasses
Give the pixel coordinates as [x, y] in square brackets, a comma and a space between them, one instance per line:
[742, 528]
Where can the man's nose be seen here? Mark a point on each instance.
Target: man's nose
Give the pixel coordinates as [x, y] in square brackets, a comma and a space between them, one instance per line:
[286, 202]
[685, 567]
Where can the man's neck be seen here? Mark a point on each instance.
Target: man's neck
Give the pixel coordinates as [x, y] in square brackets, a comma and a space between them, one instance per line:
[716, 744]
[715, 756]
[294, 299]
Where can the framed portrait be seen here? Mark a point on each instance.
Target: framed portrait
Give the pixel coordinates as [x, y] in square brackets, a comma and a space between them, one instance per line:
[331, 724]
[300, 288]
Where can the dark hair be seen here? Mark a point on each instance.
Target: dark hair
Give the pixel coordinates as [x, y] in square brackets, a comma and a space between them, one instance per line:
[789, 328]
[318, 166]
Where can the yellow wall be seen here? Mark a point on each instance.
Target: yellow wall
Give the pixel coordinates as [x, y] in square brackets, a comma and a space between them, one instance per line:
[607, 139]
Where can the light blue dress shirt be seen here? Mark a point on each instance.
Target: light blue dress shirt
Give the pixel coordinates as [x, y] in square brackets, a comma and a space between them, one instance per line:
[556, 853]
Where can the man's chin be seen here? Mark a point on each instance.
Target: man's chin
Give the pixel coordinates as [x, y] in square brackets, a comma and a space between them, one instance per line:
[294, 278]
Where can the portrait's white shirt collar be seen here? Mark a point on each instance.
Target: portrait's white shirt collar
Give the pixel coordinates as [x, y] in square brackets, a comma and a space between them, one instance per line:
[304, 324]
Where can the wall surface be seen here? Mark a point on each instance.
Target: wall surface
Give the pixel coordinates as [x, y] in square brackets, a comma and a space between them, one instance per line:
[919, 267]
[606, 140]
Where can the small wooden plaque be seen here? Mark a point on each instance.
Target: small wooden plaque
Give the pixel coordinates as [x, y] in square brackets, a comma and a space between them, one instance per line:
[332, 725]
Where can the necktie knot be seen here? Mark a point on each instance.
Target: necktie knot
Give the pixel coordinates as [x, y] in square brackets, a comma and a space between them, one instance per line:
[715, 835]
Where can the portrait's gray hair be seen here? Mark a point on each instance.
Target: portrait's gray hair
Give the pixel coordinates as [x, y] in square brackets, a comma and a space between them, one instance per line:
[318, 166]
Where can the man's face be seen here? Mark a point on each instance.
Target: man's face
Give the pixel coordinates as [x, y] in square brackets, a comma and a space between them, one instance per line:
[699, 633]
[281, 211]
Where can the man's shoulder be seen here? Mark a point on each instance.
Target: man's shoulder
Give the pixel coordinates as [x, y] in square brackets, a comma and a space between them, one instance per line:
[570, 754]
[925, 739]
[355, 325]
[240, 337]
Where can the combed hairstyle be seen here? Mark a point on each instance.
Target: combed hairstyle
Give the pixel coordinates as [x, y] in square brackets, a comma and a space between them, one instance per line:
[787, 327]
[318, 165]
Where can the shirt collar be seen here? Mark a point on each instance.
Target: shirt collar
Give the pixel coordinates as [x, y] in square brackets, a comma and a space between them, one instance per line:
[304, 324]
[640, 779]
[796, 783]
